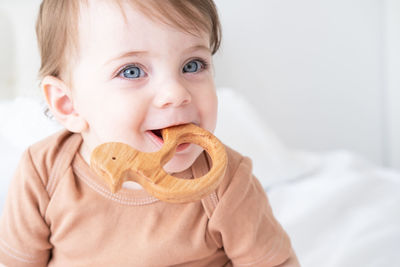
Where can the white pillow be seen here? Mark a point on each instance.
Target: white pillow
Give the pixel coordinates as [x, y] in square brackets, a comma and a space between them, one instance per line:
[241, 127]
[23, 121]
[9, 157]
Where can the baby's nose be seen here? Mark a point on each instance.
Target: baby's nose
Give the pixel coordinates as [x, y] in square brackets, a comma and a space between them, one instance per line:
[172, 95]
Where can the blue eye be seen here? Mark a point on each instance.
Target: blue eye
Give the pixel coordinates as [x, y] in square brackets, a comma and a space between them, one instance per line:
[193, 66]
[132, 72]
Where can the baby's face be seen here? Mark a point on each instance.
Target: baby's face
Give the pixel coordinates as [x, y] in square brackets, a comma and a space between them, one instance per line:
[139, 75]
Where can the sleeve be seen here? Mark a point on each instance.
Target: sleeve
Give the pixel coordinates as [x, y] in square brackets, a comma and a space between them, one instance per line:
[243, 223]
[24, 234]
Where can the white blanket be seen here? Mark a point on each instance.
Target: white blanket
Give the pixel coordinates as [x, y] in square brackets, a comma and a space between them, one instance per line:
[346, 214]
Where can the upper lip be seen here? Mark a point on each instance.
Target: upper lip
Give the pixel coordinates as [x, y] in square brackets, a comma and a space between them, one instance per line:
[172, 124]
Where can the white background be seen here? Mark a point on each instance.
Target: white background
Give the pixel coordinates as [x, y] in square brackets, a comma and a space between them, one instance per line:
[323, 74]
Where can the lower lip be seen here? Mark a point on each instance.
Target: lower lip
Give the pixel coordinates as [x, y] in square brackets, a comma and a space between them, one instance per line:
[182, 147]
[160, 142]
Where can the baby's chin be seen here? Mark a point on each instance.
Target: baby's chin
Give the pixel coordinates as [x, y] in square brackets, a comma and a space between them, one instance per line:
[172, 167]
[182, 162]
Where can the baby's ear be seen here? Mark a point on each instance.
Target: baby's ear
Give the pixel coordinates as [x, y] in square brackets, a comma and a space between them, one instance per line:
[59, 99]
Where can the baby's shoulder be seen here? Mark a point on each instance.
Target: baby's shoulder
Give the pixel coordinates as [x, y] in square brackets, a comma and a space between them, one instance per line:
[234, 157]
[48, 148]
[238, 171]
[53, 152]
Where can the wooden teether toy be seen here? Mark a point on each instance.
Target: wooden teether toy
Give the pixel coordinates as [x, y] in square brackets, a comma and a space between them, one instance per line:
[119, 162]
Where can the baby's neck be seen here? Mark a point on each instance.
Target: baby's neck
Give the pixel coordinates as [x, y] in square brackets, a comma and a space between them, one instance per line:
[84, 151]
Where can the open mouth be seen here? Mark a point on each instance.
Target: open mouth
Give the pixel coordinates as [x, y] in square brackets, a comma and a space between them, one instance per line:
[157, 133]
[157, 136]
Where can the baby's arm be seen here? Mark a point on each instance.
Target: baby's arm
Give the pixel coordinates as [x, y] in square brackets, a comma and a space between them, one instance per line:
[243, 222]
[291, 262]
[24, 234]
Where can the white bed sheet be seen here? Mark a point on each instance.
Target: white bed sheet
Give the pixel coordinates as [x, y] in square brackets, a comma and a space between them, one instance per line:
[345, 214]
[338, 209]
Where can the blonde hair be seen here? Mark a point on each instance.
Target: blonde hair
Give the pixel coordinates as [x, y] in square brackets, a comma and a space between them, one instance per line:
[57, 27]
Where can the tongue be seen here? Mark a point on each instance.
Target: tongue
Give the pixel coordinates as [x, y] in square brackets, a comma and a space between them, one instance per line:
[182, 147]
[179, 148]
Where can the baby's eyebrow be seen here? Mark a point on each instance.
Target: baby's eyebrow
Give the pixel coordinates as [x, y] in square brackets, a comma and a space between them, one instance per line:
[140, 53]
[127, 54]
[198, 47]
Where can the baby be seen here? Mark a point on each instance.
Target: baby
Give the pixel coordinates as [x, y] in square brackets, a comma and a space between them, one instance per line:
[119, 71]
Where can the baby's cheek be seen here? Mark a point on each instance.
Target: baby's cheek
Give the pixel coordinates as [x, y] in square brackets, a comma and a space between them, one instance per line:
[211, 108]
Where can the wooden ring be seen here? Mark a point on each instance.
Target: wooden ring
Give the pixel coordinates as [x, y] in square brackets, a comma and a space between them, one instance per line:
[118, 162]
